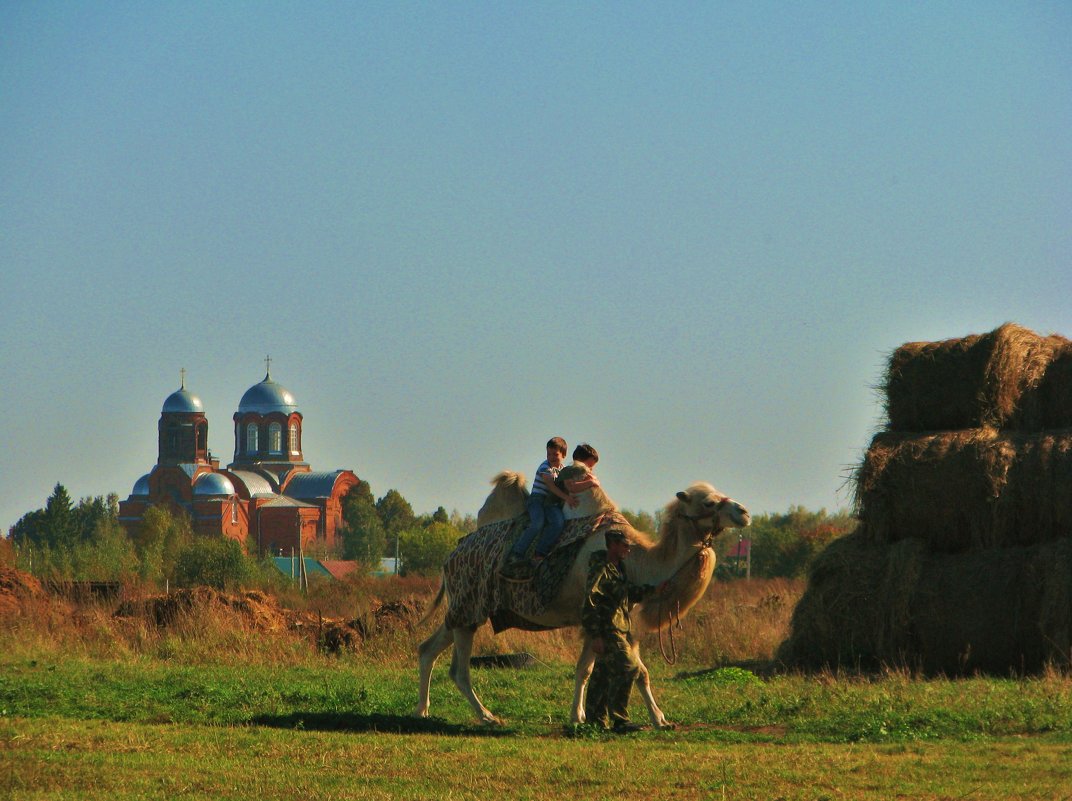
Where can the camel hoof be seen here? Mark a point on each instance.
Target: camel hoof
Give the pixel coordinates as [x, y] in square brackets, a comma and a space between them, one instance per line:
[491, 722]
[666, 725]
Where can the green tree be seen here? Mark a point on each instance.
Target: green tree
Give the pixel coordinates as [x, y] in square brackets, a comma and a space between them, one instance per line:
[91, 513]
[363, 537]
[28, 530]
[106, 555]
[69, 542]
[214, 562]
[425, 548]
[51, 527]
[395, 512]
[59, 520]
[464, 523]
[641, 521]
[396, 515]
[784, 545]
[158, 541]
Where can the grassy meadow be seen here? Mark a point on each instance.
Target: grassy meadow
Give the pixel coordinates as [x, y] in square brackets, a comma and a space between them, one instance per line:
[221, 703]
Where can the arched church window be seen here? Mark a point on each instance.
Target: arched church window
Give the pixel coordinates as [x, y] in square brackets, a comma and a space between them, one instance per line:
[202, 431]
[275, 438]
[251, 438]
[174, 439]
[295, 446]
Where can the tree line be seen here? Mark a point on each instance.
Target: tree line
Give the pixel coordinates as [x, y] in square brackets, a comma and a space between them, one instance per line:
[388, 526]
[85, 541]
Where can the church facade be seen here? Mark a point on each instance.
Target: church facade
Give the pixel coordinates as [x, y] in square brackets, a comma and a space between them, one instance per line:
[268, 498]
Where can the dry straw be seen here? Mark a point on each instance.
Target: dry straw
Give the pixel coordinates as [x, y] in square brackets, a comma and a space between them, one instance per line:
[967, 489]
[871, 605]
[963, 559]
[998, 380]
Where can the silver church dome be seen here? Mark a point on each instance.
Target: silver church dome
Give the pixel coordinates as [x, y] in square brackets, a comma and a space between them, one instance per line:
[182, 400]
[214, 484]
[267, 396]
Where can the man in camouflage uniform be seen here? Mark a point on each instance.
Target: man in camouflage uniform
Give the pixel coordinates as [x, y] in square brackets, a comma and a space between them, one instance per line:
[605, 619]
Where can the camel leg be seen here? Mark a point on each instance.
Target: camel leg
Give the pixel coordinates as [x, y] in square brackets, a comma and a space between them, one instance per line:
[584, 670]
[427, 654]
[643, 683]
[459, 671]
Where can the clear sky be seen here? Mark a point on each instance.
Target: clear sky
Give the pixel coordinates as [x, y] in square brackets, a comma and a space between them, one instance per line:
[689, 233]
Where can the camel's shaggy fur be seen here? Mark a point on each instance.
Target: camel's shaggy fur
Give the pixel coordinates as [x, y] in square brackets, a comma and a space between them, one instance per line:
[681, 557]
[506, 501]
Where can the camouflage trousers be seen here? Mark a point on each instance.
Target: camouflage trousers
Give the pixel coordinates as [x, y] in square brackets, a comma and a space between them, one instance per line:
[607, 700]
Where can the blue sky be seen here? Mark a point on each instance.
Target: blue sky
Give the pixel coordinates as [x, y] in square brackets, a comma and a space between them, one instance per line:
[687, 233]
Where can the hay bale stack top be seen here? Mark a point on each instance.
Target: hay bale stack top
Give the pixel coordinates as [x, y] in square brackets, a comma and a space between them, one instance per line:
[1008, 378]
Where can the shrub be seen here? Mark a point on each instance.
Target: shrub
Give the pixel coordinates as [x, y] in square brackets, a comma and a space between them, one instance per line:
[217, 563]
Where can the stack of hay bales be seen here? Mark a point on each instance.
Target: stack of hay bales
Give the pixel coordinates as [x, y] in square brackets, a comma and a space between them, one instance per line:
[962, 561]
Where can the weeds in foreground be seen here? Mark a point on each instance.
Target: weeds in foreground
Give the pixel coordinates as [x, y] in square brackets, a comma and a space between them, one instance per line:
[735, 622]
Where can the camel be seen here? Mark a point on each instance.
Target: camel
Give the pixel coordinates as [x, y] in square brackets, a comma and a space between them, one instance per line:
[681, 556]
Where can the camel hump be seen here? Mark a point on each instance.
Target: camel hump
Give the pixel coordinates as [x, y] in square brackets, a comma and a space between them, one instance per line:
[507, 500]
[509, 479]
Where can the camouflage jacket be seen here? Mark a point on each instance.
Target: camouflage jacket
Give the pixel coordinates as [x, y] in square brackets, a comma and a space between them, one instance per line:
[609, 597]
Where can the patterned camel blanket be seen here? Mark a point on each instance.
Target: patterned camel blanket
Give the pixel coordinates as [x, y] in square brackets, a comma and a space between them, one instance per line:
[476, 592]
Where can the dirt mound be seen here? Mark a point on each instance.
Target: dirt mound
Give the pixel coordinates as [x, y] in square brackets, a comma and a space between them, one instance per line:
[394, 615]
[253, 609]
[16, 588]
[340, 635]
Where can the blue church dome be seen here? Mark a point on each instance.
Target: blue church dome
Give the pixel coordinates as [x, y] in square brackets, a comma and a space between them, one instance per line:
[267, 396]
[214, 484]
[182, 400]
[141, 486]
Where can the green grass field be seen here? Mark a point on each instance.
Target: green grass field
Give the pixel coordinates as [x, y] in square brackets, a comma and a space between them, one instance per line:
[224, 705]
[134, 729]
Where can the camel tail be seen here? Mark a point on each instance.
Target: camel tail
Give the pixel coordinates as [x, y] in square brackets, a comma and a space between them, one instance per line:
[435, 604]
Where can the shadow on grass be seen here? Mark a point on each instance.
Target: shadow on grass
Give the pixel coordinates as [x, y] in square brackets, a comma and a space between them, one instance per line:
[388, 724]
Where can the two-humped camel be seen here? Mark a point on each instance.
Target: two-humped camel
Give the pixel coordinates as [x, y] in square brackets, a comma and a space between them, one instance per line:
[681, 556]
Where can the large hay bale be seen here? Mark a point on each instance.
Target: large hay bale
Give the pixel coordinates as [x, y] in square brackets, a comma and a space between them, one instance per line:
[1049, 405]
[870, 605]
[970, 382]
[939, 487]
[967, 489]
[998, 611]
[1035, 504]
[853, 612]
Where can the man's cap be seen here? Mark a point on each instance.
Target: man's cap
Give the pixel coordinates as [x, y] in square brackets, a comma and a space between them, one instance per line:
[617, 535]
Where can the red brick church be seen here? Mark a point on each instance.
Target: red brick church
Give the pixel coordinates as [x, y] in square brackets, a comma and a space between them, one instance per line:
[267, 498]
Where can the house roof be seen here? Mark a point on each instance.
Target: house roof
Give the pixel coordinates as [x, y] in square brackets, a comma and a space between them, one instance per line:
[340, 568]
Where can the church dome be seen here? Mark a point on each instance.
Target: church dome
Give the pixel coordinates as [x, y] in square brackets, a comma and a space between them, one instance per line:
[213, 484]
[141, 486]
[182, 400]
[266, 397]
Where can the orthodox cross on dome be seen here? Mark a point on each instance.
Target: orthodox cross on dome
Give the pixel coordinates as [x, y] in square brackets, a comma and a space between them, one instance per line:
[267, 367]
[182, 378]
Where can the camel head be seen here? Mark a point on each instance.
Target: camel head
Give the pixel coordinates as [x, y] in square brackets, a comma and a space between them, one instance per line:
[708, 509]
